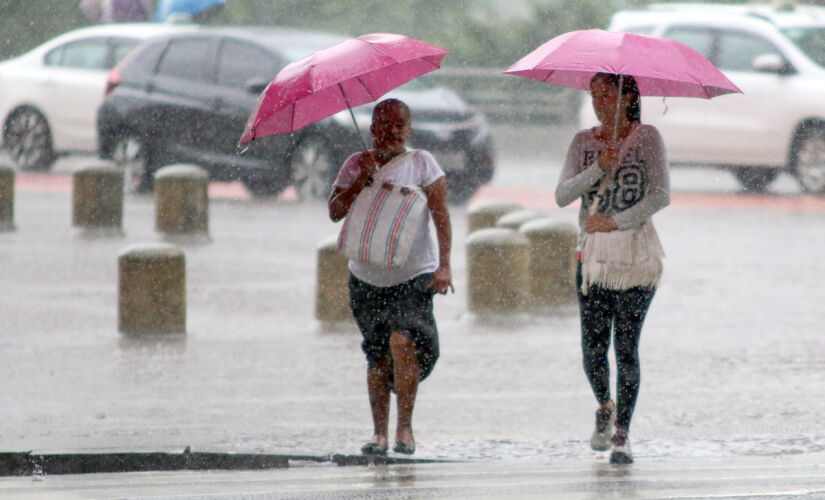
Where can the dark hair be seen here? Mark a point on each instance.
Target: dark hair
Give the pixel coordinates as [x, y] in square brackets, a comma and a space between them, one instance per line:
[381, 106]
[634, 109]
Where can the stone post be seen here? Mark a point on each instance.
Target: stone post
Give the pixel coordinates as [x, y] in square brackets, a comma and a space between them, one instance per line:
[332, 283]
[485, 213]
[152, 289]
[182, 201]
[552, 261]
[97, 199]
[497, 267]
[514, 220]
[6, 198]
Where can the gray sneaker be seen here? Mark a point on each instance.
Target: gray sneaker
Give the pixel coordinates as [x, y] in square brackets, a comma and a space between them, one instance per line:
[621, 449]
[605, 419]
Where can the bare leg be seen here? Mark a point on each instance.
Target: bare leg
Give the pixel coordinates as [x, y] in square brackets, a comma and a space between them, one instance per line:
[405, 376]
[378, 388]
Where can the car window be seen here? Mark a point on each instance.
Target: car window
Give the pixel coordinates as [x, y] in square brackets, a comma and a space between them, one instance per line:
[811, 41]
[240, 62]
[120, 49]
[738, 50]
[699, 39]
[188, 59]
[85, 54]
[641, 30]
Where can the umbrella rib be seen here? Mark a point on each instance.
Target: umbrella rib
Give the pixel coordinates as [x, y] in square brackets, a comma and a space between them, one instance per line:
[364, 85]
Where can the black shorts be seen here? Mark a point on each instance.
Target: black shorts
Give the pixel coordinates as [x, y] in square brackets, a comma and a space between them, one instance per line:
[406, 308]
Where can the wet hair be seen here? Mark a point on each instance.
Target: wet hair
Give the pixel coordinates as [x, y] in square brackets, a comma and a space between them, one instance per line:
[629, 86]
[386, 103]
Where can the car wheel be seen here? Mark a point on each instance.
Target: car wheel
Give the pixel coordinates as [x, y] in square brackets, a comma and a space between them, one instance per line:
[809, 160]
[755, 179]
[29, 140]
[135, 158]
[265, 184]
[313, 169]
[460, 188]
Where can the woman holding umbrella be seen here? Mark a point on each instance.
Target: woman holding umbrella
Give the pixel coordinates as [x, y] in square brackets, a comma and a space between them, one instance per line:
[619, 171]
[394, 307]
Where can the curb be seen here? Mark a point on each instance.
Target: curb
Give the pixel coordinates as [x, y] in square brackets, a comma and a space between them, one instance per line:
[38, 464]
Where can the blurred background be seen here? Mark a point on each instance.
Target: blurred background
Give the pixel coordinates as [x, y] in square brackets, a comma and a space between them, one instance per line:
[484, 36]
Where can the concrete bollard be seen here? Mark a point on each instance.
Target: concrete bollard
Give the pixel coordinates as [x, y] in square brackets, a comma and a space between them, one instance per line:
[332, 283]
[6, 198]
[497, 267]
[97, 199]
[552, 261]
[485, 213]
[182, 201]
[152, 289]
[514, 220]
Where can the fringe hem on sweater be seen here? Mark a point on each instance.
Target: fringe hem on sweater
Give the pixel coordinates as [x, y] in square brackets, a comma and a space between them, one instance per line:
[620, 260]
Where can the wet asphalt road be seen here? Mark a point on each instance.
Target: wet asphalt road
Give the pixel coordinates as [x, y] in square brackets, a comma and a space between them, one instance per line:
[732, 352]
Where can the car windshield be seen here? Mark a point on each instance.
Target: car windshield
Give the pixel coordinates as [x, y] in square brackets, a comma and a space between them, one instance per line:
[810, 40]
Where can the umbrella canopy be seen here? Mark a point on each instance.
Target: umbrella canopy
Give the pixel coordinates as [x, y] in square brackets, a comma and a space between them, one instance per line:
[660, 66]
[350, 73]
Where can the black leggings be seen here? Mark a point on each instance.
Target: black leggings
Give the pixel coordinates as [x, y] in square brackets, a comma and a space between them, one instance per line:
[625, 311]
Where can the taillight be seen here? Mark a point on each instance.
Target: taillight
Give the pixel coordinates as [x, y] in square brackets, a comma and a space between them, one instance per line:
[112, 81]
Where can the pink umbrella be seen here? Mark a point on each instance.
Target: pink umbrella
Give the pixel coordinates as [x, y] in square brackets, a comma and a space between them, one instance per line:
[660, 66]
[350, 73]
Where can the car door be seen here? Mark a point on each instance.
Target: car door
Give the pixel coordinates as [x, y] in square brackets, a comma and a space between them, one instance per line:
[749, 128]
[181, 98]
[72, 86]
[244, 69]
[682, 121]
[723, 129]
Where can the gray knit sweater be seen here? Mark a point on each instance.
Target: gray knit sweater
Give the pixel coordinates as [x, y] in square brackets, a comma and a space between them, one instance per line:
[638, 188]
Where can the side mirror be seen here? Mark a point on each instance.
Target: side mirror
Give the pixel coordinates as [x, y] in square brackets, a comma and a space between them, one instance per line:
[256, 85]
[771, 63]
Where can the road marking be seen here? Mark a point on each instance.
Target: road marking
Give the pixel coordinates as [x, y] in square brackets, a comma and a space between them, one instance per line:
[46, 182]
[545, 199]
[524, 196]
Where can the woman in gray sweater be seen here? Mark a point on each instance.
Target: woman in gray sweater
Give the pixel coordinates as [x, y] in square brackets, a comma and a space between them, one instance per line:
[621, 166]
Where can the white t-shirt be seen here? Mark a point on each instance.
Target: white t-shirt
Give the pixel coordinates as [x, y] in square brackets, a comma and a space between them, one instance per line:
[418, 169]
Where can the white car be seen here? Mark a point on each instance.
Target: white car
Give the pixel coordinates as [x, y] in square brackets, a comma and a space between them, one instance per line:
[777, 57]
[49, 96]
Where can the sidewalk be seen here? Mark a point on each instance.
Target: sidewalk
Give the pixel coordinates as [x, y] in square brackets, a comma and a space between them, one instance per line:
[777, 478]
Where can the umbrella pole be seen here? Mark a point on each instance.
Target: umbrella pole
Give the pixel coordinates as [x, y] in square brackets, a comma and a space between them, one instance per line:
[354, 121]
[618, 109]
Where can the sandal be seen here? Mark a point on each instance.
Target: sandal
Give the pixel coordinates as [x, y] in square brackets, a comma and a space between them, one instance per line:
[373, 448]
[404, 448]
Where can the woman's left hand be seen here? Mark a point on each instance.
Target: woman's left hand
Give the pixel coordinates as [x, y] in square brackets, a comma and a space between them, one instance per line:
[442, 280]
[599, 223]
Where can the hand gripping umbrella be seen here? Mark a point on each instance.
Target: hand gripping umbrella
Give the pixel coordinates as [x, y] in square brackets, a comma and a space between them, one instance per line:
[350, 73]
[661, 67]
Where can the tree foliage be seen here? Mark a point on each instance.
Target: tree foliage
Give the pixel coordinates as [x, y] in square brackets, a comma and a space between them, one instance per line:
[475, 34]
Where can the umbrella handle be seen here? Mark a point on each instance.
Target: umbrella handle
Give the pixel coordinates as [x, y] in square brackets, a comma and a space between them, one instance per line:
[354, 121]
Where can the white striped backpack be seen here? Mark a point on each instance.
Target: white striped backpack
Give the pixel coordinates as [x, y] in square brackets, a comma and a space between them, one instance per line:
[383, 220]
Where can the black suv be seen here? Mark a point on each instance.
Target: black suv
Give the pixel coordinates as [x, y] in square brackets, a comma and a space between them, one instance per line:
[185, 98]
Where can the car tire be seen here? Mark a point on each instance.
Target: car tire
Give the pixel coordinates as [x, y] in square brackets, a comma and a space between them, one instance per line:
[265, 184]
[137, 160]
[28, 139]
[460, 188]
[755, 179]
[808, 160]
[314, 168]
